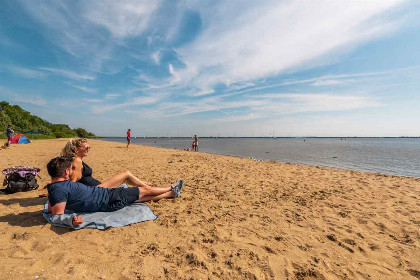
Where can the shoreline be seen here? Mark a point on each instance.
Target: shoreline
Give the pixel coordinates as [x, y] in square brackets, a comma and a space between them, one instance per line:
[268, 160]
[236, 219]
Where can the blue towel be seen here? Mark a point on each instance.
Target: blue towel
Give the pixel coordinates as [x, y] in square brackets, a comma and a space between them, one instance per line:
[134, 213]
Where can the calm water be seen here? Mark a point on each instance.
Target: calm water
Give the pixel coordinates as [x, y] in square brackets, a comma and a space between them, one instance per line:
[395, 156]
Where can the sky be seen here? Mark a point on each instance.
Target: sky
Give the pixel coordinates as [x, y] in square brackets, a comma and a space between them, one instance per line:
[215, 68]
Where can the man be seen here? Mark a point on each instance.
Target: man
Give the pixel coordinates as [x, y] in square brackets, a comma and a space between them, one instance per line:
[128, 137]
[9, 133]
[64, 194]
[195, 143]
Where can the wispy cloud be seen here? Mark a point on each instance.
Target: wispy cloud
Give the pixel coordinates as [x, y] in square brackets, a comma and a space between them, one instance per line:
[68, 74]
[327, 82]
[239, 118]
[233, 49]
[24, 72]
[30, 100]
[139, 101]
[121, 18]
[85, 89]
[22, 97]
[91, 32]
[156, 57]
[92, 100]
[111, 96]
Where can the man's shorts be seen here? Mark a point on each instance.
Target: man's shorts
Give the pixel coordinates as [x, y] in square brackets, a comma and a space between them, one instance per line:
[121, 197]
[9, 138]
[128, 139]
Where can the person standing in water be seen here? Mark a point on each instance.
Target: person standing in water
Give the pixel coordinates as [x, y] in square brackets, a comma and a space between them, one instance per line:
[195, 143]
[128, 137]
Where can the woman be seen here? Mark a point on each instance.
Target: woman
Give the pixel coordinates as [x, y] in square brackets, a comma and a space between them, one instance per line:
[78, 148]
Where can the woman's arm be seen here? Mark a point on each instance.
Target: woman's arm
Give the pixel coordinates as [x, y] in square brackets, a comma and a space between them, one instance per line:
[76, 168]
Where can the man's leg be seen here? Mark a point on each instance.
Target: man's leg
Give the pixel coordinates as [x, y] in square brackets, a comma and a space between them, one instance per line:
[155, 194]
[169, 194]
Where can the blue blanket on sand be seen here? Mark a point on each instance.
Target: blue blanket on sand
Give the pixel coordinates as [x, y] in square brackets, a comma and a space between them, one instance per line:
[134, 213]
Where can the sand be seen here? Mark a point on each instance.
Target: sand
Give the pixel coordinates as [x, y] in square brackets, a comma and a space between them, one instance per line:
[237, 219]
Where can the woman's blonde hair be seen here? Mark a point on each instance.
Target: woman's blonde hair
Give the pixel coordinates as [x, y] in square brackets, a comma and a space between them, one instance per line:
[69, 149]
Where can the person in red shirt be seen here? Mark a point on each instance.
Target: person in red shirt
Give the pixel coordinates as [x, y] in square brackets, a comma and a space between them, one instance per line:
[128, 137]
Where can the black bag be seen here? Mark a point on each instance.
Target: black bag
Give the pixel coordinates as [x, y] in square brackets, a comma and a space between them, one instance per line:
[14, 182]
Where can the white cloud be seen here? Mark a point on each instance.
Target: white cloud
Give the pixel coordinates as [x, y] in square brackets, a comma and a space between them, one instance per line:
[30, 100]
[140, 100]
[85, 89]
[24, 72]
[111, 96]
[175, 75]
[156, 57]
[68, 74]
[327, 83]
[239, 86]
[126, 18]
[239, 118]
[92, 100]
[240, 44]
[316, 102]
[90, 31]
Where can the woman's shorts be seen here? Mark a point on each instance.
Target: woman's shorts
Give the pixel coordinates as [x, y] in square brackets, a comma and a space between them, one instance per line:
[121, 197]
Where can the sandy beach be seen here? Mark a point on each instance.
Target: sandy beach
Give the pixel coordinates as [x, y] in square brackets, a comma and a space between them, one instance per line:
[237, 219]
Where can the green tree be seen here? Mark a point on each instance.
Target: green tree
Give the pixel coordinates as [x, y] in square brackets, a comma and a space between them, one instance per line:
[22, 121]
[81, 132]
[4, 122]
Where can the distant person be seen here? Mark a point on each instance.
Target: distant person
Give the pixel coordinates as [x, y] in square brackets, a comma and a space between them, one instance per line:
[195, 145]
[78, 149]
[64, 194]
[128, 137]
[9, 133]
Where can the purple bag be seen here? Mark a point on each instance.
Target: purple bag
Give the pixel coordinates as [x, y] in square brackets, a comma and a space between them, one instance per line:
[20, 179]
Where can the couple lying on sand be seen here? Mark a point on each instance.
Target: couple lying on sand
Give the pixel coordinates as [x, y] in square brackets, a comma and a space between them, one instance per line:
[73, 188]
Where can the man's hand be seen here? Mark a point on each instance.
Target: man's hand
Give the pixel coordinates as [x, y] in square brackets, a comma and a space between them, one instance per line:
[77, 220]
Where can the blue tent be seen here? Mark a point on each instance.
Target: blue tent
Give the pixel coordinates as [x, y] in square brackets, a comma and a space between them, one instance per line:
[20, 139]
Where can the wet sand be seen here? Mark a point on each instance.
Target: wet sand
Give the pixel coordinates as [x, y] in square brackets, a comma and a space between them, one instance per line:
[237, 219]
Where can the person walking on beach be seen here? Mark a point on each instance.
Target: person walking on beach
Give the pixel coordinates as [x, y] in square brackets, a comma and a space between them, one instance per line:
[64, 194]
[195, 143]
[128, 137]
[9, 133]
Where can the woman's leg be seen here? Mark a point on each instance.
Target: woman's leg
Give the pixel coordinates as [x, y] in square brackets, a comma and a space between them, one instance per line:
[124, 177]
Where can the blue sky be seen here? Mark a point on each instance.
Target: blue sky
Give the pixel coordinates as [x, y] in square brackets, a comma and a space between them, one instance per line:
[244, 68]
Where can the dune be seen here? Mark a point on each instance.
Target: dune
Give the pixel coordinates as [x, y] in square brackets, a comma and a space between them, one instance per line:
[237, 219]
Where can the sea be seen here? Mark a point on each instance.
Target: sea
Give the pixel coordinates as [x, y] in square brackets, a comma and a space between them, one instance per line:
[392, 156]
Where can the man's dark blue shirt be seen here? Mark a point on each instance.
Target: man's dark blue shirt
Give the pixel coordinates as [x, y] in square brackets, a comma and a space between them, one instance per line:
[79, 198]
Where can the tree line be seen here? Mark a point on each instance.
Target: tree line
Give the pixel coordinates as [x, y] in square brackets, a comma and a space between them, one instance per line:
[22, 121]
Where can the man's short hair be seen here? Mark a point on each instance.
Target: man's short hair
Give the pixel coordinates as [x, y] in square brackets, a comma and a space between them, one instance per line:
[57, 166]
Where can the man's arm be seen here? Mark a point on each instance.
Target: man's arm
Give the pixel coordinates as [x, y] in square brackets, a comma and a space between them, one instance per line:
[59, 208]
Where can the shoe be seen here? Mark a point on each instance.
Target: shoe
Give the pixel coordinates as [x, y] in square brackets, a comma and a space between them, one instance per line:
[177, 188]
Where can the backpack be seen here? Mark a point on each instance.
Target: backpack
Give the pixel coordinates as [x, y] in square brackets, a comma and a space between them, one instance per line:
[20, 179]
